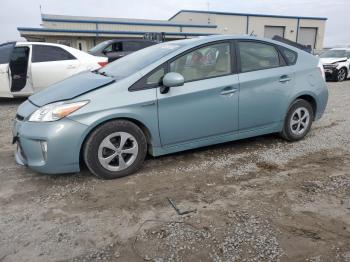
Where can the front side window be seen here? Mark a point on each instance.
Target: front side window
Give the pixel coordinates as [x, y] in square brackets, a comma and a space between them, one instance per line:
[258, 56]
[206, 62]
[46, 53]
[118, 47]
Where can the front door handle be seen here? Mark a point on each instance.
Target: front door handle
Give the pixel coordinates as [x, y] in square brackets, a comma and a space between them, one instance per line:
[227, 91]
[284, 79]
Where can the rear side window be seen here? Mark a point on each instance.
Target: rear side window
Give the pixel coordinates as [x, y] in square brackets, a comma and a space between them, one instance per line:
[258, 56]
[132, 46]
[5, 52]
[46, 53]
[290, 55]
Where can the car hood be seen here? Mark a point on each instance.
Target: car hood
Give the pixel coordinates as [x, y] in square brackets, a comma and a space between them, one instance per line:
[330, 60]
[70, 88]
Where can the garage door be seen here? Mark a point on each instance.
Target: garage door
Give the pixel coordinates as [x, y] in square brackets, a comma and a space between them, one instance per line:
[271, 31]
[307, 36]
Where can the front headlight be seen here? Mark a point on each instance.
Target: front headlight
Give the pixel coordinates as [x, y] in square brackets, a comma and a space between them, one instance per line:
[55, 111]
[335, 65]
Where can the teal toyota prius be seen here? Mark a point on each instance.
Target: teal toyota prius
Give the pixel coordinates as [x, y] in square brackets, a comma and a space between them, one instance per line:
[168, 98]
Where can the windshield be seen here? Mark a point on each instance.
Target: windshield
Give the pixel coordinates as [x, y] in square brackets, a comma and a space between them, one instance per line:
[134, 62]
[335, 54]
[99, 47]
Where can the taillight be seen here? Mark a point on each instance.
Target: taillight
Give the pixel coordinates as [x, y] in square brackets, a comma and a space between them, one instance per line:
[102, 64]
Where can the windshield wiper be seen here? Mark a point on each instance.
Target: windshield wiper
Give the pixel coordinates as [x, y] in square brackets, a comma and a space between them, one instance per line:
[101, 73]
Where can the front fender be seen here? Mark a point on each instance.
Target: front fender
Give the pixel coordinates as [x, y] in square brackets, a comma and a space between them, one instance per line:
[151, 124]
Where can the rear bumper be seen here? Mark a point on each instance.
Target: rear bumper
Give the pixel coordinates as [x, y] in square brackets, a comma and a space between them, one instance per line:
[63, 139]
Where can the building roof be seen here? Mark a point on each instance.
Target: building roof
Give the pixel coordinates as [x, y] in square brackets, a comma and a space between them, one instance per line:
[123, 21]
[247, 14]
[101, 32]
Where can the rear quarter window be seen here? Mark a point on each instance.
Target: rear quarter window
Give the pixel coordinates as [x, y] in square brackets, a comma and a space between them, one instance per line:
[289, 55]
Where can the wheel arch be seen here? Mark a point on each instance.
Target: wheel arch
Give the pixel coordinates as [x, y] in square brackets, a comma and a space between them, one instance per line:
[307, 97]
[141, 125]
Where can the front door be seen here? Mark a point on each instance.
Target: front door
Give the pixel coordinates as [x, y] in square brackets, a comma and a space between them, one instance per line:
[20, 72]
[207, 104]
[5, 80]
[265, 85]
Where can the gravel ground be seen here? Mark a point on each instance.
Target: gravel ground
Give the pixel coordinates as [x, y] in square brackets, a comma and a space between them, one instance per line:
[260, 199]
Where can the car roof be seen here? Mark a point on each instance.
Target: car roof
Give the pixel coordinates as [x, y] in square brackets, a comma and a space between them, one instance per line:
[213, 38]
[129, 40]
[38, 43]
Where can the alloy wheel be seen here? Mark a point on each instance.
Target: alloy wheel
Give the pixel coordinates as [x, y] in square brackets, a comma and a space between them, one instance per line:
[118, 151]
[299, 121]
[341, 74]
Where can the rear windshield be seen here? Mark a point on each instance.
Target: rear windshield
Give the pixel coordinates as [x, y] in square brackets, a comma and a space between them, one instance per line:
[134, 62]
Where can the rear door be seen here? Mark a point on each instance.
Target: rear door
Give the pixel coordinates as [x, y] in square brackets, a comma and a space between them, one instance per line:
[266, 83]
[5, 80]
[51, 64]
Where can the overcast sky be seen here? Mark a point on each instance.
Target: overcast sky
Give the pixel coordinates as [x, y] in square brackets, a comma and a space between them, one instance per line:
[26, 13]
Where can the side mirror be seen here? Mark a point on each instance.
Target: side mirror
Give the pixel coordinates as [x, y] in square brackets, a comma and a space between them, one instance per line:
[171, 80]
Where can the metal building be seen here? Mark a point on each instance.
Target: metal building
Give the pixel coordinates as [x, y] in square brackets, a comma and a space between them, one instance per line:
[85, 32]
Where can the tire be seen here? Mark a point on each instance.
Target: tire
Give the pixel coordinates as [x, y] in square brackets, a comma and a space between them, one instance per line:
[302, 115]
[115, 149]
[341, 75]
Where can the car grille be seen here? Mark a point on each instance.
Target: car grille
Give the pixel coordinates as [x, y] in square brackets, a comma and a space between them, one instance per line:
[328, 66]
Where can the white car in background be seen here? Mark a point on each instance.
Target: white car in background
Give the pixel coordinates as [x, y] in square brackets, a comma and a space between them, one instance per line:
[27, 67]
[336, 63]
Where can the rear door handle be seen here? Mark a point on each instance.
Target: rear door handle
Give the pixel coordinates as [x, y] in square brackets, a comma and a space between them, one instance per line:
[284, 79]
[71, 67]
[228, 91]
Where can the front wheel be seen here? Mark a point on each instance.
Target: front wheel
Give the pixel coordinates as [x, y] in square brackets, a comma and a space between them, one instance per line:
[341, 75]
[298, 121]
[115, 149]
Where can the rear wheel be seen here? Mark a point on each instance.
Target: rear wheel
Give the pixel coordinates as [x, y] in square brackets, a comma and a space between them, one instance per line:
[298, 121]
[115, 149]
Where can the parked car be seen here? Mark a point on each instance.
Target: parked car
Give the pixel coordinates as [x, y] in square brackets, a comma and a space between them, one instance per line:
[117, 48]
[27, 67]
[168, 98]
[336, 63]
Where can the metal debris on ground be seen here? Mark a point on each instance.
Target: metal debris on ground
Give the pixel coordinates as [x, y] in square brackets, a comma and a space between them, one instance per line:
[178, 211]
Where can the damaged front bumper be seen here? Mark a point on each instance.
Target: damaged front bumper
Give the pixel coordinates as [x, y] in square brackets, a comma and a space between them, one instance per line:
[48, 147]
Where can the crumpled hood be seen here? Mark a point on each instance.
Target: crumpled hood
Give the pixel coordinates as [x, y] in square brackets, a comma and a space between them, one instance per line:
[332, 60]
[70, 88]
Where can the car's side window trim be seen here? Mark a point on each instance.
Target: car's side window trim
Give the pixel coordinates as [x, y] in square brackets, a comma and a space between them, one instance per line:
[233, 60]
[282, 59]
